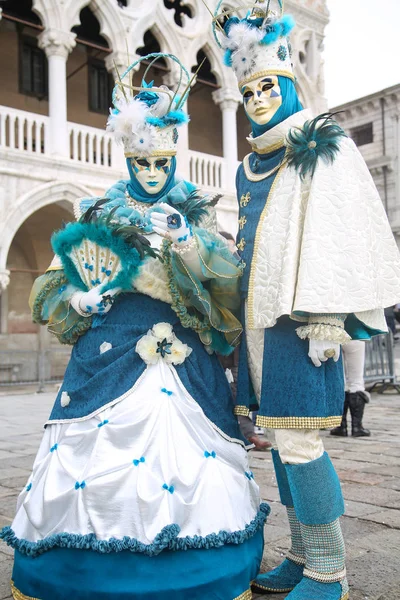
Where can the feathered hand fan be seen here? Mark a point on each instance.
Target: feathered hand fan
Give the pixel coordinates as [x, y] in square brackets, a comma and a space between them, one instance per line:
[97, 250]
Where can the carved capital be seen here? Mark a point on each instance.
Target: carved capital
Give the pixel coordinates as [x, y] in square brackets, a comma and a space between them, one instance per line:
[119, 60]
[227, 98]
[56, 42]
[4, 279]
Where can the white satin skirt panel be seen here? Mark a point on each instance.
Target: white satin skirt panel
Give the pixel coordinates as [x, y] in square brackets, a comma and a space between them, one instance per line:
[151, 460]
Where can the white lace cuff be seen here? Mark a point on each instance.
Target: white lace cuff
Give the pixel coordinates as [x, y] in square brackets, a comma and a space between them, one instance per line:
[322, 332]
[325, 327]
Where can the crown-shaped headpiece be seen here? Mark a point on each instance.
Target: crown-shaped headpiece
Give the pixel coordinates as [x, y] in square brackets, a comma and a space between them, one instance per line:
[256, 45]
[144, 119]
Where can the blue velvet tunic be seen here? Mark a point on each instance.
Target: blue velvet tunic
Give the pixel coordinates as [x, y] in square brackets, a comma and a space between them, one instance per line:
[294, 393]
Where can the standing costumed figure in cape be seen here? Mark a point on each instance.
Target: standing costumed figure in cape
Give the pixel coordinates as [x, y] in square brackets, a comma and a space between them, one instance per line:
[141, 487]
[319, 265]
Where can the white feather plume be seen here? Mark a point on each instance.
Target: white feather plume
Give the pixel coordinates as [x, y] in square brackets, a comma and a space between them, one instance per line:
[242, 35]
[131, 114]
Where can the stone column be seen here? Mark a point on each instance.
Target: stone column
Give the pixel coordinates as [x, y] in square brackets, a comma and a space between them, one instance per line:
[58, 44]
[171, 79]
[4, 279]
[228, 101]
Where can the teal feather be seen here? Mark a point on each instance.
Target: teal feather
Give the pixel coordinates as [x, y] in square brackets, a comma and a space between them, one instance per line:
[318, 139]
[174, 117]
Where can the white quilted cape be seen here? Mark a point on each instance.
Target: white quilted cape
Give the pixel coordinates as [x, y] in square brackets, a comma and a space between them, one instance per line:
[324, 245]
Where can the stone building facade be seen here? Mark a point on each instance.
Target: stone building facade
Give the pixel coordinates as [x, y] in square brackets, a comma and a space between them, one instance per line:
[57, 69]
[374, 124]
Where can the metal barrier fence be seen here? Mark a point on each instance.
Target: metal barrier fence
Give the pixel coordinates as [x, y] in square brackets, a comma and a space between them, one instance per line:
[379, 370]
[26, 367]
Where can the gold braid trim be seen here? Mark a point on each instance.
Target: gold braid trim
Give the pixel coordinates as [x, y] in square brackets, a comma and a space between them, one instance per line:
[267, 149]
[298, 422]
[247, 595]
[241, 411]
[17, 595]
[258, 587]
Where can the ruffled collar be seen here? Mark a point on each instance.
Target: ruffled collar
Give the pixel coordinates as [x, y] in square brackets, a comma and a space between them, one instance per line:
[275, 138]
[133, 212]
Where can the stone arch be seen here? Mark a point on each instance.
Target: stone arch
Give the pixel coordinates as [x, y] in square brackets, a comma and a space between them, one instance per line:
[61, 192]
[63, 16]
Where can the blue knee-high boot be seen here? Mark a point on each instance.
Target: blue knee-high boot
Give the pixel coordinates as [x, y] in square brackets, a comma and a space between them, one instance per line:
[318, 502]
[285, 577]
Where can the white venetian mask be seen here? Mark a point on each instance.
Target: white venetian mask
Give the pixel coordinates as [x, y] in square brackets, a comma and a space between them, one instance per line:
[152, 172]
[262, 98]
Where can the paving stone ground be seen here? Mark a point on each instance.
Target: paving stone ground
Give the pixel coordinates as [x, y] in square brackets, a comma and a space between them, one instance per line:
[369, 470]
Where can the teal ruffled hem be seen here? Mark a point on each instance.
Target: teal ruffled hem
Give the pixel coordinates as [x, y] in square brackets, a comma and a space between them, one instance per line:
[167, 539]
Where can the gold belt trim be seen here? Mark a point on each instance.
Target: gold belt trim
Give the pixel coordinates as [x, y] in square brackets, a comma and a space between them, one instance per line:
[298, 422]
[241, 411]
[17, 595]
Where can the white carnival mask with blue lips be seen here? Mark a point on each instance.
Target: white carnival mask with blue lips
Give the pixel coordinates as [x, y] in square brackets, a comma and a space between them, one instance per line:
[151, 172]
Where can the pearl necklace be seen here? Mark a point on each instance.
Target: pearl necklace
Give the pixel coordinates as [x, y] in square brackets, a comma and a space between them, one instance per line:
[141, 207]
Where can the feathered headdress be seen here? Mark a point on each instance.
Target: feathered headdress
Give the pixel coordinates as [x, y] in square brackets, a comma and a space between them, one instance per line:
[146, 122]
[258, 44]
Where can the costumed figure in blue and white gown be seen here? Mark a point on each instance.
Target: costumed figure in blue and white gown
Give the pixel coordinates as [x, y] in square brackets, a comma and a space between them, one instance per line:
[141, 487]
[320, 264]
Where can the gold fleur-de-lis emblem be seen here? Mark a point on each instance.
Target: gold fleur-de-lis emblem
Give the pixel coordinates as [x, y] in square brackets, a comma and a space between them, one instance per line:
[241, 245]
[242, 222]
[245, 199]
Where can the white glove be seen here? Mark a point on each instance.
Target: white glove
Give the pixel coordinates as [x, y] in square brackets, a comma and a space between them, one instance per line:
[172, 225]
[317, 349]
[93, 302]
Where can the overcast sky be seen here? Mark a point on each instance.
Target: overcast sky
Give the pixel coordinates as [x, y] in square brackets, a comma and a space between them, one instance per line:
[362, 48]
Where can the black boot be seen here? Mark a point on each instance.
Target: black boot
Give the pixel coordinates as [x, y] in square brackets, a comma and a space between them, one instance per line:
[357, 402]
[341, 431]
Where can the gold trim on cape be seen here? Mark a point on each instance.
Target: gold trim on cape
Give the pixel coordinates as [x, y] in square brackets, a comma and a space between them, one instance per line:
[298, 422]
[267, 149]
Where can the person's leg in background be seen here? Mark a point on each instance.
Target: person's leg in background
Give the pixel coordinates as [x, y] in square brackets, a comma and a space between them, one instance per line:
[356, 397]
[309, 486]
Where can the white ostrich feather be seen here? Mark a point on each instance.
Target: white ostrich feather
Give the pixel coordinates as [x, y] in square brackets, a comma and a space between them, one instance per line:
[242, 35]
[131, 115]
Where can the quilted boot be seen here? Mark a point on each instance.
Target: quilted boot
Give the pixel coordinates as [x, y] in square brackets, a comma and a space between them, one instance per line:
[285, 577]
[357, 402]
[318, 502]
[342, 429]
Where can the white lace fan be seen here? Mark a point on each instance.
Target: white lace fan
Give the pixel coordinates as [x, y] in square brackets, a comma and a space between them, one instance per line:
[95, 264]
